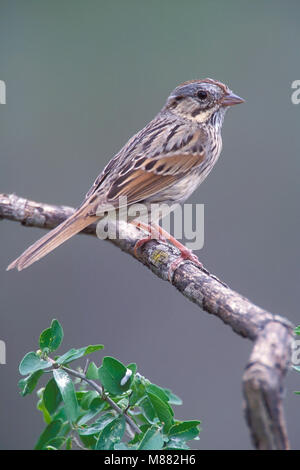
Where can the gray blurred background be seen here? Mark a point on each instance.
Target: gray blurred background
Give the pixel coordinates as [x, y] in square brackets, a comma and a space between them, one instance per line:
[82, 77]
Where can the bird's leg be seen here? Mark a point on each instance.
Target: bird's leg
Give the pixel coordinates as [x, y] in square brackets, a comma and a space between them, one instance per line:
[157, 232]
[185, 253]
[153, 234]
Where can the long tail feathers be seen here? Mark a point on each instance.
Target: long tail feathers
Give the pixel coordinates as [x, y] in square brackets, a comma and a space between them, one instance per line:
[53, 239]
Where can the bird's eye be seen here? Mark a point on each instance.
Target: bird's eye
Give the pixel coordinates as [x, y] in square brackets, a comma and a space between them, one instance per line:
[202, 95]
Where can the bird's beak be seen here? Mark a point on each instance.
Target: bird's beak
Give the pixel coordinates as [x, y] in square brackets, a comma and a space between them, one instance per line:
[231, 99]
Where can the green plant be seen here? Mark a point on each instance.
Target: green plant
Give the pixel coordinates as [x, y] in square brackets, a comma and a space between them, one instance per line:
[297, 368]
[101, 408]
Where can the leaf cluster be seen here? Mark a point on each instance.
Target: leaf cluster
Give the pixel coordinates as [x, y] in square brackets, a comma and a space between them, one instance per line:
[108, 406]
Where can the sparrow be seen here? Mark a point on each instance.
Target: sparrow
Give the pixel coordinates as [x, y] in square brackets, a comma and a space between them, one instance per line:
[163, 163]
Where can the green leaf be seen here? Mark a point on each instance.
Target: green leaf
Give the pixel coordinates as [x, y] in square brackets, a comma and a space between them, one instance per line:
[51, 338]
[138, 437]
[159, 392]
[41, 407]
[52, 396]
[138, 390]
[186, 430]
[162, 410]
[87, 398]
[122, 446]
[80, 394]
[111, 434]
[152, 440]
[88, 441]
[92, 372]
[297, 330]
[164, 394]
[132, 367]
[66, 428]
[95, 407]
[98, 425]
[148, 409]
[69, 443]
[173, 399]
[297, 368]
[49, 433]
[32, 363]
[62, 415]
[28, 384]
[176, 444]
[67, 391]
[56, 443]
[111, 374]
[73, 354]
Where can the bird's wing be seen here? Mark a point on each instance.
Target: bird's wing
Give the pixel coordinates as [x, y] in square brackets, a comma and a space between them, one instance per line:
[152, 177]
[150, 169]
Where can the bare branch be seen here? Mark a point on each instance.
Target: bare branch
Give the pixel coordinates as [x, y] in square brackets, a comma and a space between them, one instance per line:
[263, 380]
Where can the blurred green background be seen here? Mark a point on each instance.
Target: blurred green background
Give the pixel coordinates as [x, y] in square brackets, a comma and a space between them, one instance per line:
[82, 77]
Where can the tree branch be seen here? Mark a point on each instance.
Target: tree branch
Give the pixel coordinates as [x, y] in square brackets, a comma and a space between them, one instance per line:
[263, 380]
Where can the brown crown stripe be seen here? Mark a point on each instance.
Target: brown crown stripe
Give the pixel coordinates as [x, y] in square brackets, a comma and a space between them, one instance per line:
[206, 80]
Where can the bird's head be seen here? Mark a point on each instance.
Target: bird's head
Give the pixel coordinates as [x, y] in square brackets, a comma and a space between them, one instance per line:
[199, 100]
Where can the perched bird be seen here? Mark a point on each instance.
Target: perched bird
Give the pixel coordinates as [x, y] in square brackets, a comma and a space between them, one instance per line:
[162, 163]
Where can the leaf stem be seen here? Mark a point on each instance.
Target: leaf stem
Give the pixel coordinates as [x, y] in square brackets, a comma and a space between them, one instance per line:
[100, 390]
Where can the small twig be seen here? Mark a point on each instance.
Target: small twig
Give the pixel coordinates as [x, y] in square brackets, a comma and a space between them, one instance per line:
[100, 390]
[86, 366]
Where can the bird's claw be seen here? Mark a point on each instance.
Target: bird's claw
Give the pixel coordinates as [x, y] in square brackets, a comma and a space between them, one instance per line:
[185, 255]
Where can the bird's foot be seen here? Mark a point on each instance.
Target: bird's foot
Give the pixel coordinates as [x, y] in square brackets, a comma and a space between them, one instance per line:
[154, 234]
[185, 254]
[158, 233]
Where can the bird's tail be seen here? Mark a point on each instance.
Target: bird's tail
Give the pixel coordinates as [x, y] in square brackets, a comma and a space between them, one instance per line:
[74, 224]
